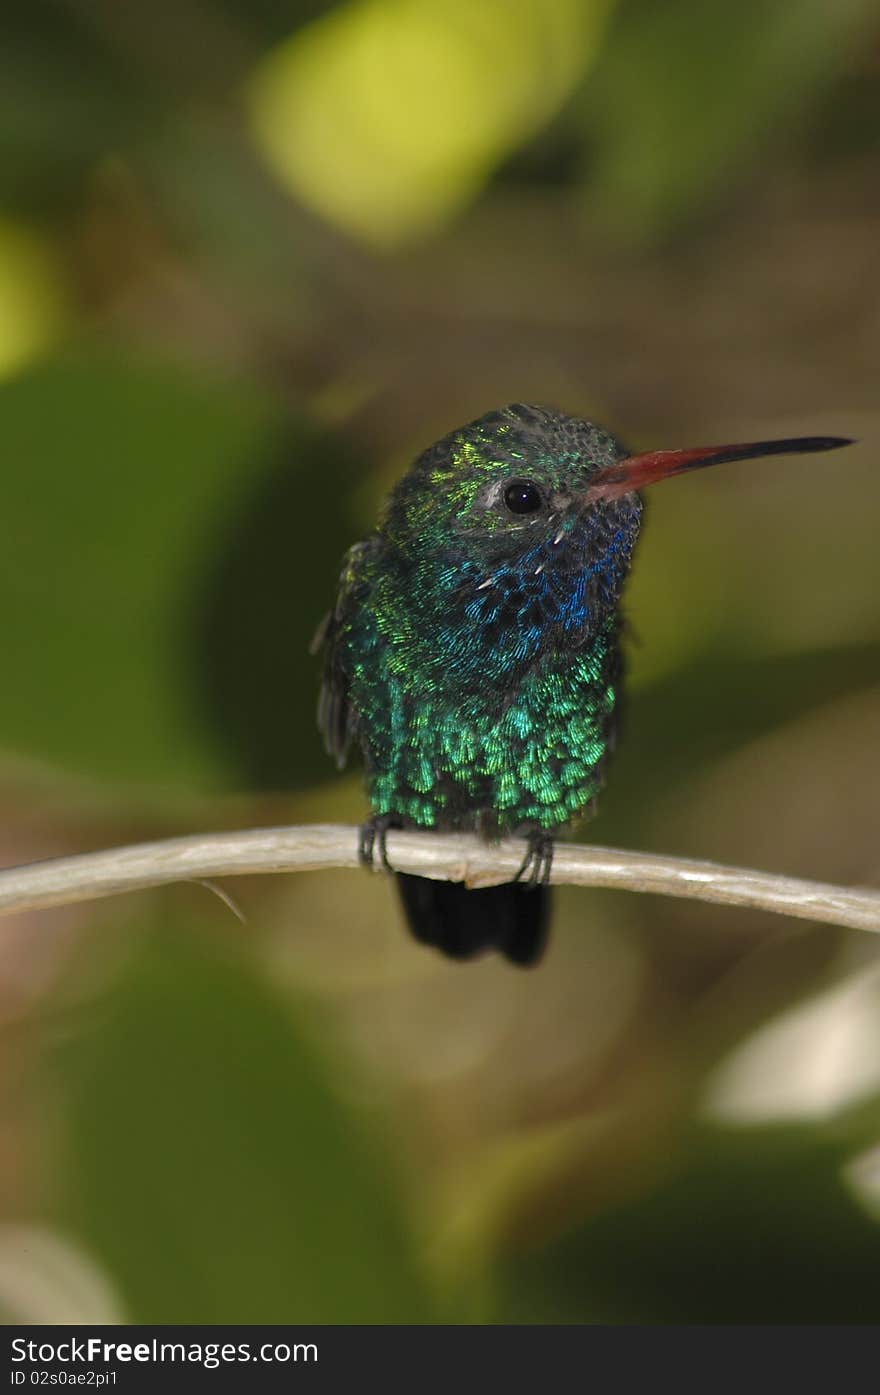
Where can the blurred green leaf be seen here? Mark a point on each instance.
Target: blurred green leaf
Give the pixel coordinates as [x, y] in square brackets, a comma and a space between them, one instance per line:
[686, 92]
[752, 1226]
[383, 115]
[207, 1161]
[117, 478]
[158, 582]
[33, 295]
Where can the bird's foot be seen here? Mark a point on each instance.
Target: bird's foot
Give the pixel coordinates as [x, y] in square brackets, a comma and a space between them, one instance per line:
[538, 861]
[372, 840]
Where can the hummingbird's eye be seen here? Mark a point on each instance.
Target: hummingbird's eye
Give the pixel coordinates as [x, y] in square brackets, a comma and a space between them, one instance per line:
[523, 496]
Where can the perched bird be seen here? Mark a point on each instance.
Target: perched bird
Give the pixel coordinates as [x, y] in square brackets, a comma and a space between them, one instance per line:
[474, 651]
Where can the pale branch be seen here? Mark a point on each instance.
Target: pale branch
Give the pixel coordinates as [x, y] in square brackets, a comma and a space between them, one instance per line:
[456, 857]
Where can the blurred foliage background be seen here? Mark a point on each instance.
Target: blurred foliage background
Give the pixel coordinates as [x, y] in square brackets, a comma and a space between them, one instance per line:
[253, 257]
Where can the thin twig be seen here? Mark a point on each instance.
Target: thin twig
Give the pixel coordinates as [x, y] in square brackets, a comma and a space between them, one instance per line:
[457, 857]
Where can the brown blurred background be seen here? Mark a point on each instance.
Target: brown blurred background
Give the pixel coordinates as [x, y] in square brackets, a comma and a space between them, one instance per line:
[253, 257]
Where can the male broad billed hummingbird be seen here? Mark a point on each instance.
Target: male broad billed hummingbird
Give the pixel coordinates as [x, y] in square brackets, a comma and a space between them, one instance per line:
[474, 650]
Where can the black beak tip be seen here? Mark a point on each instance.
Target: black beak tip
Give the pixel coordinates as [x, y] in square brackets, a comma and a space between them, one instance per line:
[826, 442]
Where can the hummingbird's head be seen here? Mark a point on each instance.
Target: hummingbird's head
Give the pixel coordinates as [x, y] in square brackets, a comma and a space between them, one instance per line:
[495, 488]
[525, 520]
[496, 536]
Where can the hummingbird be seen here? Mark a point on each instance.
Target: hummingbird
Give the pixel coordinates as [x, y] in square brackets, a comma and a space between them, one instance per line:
[474, 651]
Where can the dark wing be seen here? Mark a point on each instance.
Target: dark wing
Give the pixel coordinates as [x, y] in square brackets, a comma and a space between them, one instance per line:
[336, 719]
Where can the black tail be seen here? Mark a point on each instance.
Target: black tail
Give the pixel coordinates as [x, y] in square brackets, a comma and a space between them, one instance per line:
[513, 918]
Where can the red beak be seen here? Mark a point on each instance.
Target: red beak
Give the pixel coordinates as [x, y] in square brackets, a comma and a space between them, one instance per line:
[637, 471]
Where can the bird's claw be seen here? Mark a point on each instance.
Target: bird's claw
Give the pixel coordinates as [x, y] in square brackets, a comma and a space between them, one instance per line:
[538, 861]
[372, 833]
